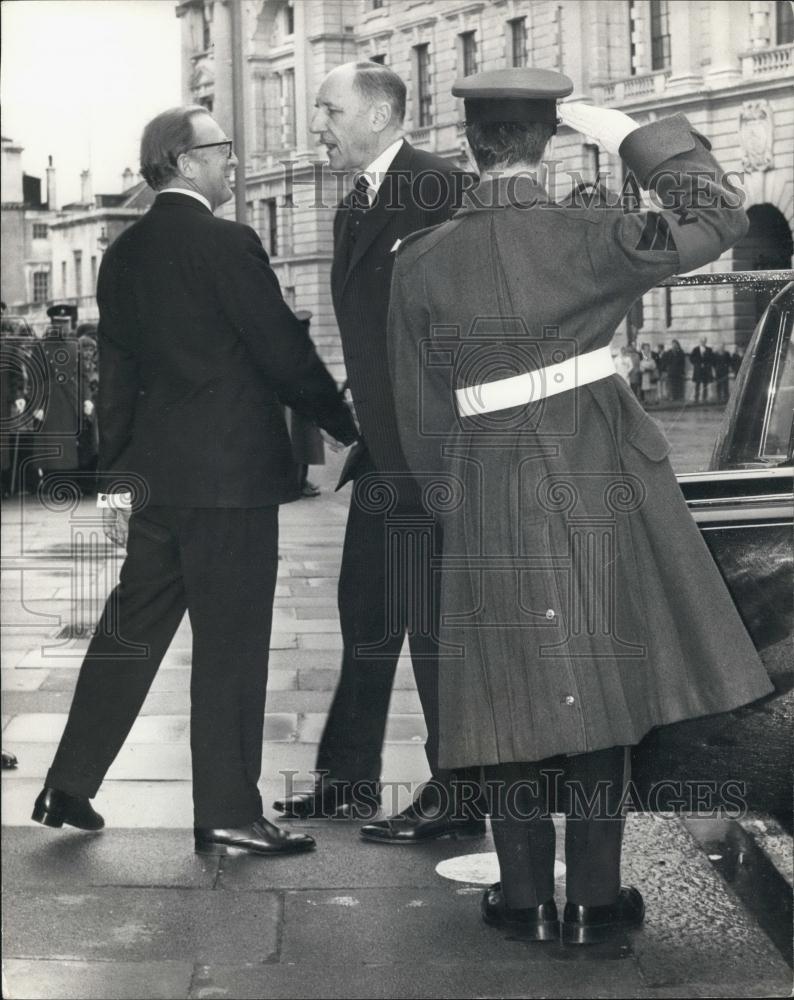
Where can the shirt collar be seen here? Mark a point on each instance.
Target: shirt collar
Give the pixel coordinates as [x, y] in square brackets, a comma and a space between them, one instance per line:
[379, 167]
[188, 191]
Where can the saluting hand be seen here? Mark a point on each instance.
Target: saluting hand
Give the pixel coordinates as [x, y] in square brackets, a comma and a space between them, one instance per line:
[606, 125]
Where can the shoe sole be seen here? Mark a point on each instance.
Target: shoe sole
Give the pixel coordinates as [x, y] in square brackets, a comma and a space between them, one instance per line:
[56, 821]
[221, 850]
[578, 935]
[411, 842]
[549, 930]
[344, 812]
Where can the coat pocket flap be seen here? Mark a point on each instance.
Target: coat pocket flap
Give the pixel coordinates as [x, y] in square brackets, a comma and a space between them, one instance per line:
[647, 438]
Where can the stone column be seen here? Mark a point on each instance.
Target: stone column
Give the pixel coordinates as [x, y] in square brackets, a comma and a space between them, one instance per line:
[684, 46]
[728, 40]
[222, 109]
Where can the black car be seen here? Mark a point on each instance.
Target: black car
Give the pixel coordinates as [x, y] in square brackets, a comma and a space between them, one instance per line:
[744, 507]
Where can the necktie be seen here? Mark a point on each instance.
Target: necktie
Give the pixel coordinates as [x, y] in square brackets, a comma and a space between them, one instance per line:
[359, 205]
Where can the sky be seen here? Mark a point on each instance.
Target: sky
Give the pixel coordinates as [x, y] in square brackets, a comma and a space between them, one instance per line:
[80, 79]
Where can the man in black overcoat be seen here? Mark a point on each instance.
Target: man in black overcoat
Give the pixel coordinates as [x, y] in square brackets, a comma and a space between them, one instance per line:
[197, 353]
[397, 190]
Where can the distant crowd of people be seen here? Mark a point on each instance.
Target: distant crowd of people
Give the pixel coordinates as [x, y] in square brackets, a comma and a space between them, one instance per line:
[49, 397]
[49, 390]
[660, 376]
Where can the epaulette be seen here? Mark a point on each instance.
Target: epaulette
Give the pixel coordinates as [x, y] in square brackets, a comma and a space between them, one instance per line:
[429, 237]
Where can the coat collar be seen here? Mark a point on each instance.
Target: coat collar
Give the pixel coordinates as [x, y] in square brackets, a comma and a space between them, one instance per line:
[492, 193]
[390, 197]
[166, 198]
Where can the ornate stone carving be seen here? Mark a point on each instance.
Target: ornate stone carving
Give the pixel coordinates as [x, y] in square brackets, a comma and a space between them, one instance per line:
[757, 135]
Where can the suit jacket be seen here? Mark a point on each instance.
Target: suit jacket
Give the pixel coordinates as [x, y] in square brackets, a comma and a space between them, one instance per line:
[419, 190]
[702, 362]
[584, 602]
[197, 352]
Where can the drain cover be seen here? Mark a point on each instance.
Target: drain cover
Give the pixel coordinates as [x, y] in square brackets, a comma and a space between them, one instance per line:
[479, 869]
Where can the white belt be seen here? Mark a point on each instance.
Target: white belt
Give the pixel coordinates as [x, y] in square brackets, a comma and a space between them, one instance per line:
[530, 387]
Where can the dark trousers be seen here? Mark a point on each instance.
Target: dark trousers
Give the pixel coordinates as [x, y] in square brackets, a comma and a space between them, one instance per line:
[220, 565]
[385, 588]
[587, 788]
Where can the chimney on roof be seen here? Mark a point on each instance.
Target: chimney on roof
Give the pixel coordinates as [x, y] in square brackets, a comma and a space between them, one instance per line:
[52, 194]
[86, 196]
[127, 179]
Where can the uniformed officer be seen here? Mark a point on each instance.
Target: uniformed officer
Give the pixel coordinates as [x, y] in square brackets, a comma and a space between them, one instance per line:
[583, 600]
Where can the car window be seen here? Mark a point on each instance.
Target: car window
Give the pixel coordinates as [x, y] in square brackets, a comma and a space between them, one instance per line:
[756, 430]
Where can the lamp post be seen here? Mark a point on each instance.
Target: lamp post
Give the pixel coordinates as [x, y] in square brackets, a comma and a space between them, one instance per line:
[238, 111]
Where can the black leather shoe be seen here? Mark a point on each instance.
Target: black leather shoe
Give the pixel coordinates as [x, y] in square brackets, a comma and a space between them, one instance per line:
[593, 924]
[333, 799]
[54, 808]
[415, 826]
[536, 923]
[7, 760]
[260, 837]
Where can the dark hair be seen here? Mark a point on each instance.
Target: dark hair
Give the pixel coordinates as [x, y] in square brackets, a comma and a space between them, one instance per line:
[375, 82]
[505, 143]
[163, 140]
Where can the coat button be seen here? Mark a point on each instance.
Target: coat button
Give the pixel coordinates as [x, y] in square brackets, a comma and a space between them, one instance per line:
[550, 613]
[569, 699]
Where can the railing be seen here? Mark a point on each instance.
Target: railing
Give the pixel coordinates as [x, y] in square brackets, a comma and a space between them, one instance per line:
[420, 136]
[768, 62]
[634, 87]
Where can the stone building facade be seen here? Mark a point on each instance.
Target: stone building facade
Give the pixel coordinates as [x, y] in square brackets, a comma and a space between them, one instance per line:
[727, 64]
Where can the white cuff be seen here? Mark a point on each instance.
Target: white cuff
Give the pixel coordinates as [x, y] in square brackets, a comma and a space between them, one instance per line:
[114, 501]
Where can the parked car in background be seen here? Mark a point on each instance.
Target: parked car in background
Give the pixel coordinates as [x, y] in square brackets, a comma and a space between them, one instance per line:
[744, 506]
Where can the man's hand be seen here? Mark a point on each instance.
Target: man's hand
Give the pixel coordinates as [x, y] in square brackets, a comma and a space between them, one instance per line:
[38, 415]
[115, 524]
[88, 407]
[19, 406]
[606, 125]
[332, 443]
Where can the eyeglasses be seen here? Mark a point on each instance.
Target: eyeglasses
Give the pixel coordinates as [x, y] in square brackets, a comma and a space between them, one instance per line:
[209, 145]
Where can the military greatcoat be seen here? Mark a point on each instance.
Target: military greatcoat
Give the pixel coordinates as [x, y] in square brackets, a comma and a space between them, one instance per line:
[580, 606]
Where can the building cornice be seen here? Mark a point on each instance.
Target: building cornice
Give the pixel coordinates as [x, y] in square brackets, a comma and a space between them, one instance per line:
[754, 87]
[102, 214]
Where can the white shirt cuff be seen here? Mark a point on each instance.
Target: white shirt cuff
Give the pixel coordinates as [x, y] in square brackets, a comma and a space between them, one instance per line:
[114, 501]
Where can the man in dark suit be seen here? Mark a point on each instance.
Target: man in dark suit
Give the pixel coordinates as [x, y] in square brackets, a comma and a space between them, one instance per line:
[198, 351]
[398, 190]
[702, 358]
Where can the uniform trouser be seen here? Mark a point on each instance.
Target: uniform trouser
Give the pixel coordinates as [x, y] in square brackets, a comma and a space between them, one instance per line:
[587, 788]
[378, 595]
[220, 564]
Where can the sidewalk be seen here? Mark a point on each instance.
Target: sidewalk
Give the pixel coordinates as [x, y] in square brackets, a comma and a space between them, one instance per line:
[132, 912]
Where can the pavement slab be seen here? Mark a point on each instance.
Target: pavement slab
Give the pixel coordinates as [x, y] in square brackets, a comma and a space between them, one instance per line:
[39, 859]
[45, 979]
[133, 924]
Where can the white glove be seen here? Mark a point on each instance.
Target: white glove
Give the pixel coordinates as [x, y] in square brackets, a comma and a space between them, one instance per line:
[38, 415]
[606, 125]
[88, 407]
[19, 405]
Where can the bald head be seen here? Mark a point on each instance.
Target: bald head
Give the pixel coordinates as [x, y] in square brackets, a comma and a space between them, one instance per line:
[359, 111]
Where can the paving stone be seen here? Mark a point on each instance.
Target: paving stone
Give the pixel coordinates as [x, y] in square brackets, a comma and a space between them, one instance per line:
[23, 680]
[695, 928]
[47, 727]
[325, 678]
[399, 728]
[131, 804]
[42, 858]
[525, 974]
[407, 925]
[345, 862]
[42, 979]
[321, 640]
[123, 924]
